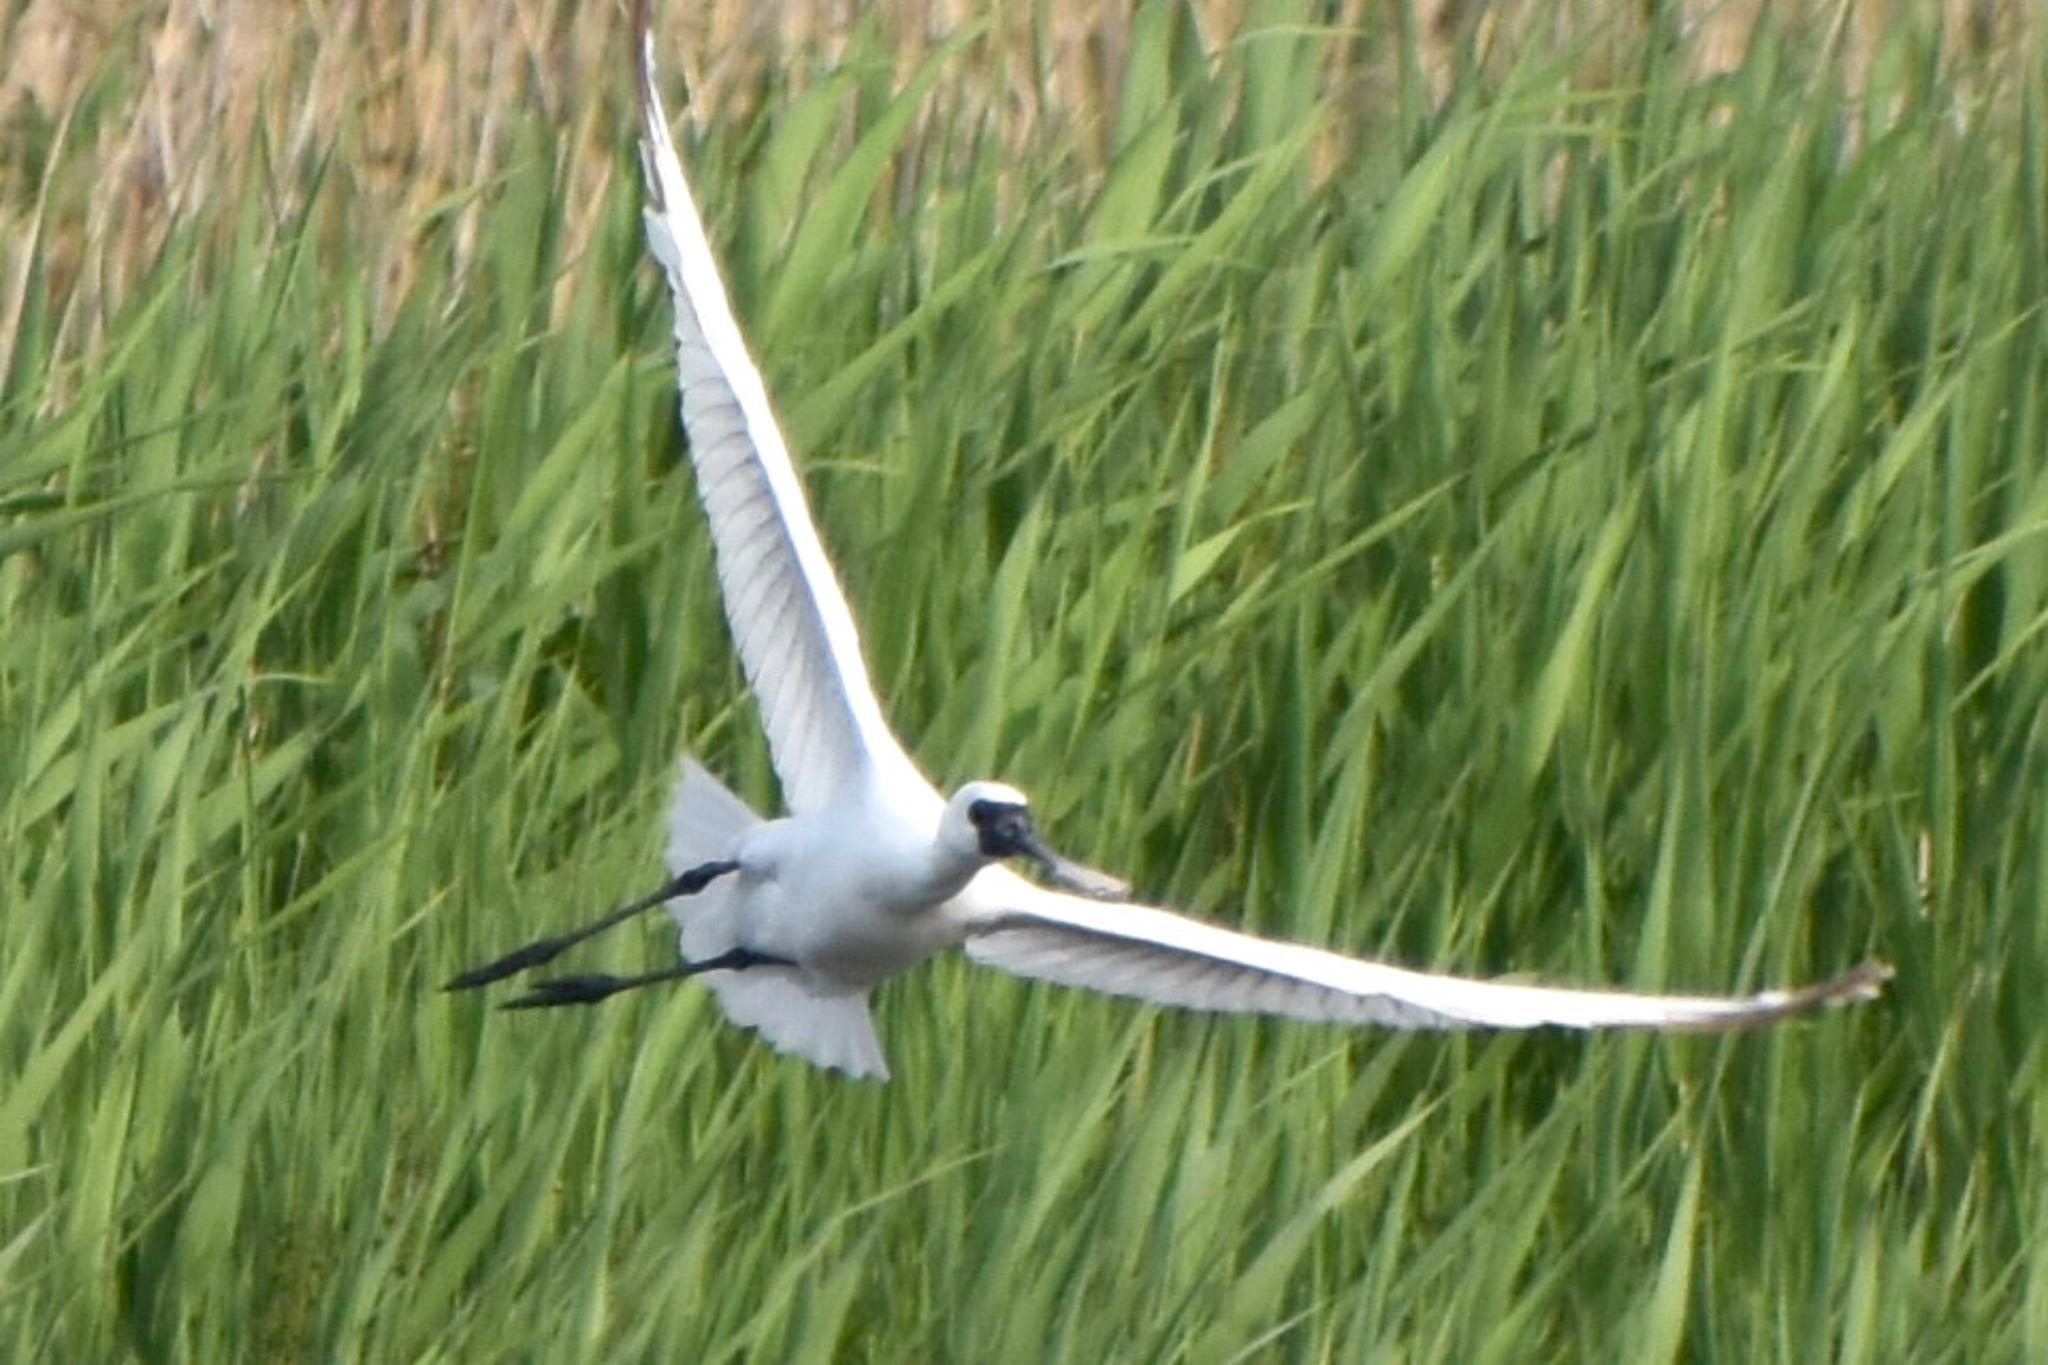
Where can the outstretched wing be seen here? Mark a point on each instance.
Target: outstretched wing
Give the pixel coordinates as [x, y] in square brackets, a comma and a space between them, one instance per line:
[796, 639]
[1171, 959]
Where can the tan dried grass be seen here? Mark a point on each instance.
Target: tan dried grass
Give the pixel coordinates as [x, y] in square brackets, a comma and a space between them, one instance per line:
[119, 118]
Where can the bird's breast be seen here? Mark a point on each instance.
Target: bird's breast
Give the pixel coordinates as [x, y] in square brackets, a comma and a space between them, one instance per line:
[852, 905]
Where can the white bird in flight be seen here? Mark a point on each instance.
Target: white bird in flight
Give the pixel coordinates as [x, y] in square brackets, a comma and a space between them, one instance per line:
[793, 922]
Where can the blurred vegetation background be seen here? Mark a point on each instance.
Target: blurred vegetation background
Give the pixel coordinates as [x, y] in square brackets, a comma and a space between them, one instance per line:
[1516, 487]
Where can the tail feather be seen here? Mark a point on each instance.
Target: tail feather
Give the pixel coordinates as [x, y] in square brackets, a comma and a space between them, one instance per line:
[704, 820]
[828, 1029]
[779, 1003]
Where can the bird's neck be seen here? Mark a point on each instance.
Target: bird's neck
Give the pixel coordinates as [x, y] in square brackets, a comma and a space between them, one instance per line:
[945, 872]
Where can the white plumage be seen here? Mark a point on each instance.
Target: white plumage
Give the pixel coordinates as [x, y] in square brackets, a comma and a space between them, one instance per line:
[874, 870]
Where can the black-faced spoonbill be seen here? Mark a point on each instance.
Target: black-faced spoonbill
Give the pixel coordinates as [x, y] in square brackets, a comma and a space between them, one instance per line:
[793, 922]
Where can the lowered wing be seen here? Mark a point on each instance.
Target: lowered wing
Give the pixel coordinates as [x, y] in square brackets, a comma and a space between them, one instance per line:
[1171, 959]
[796, 638]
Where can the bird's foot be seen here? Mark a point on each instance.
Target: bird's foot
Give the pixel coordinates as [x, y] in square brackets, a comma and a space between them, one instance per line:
[586, 989]
[518, 960]
[592, 987]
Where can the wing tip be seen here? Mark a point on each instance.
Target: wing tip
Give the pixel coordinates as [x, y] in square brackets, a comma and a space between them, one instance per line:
[653, 117]
[1860, 983]
[1865, 981]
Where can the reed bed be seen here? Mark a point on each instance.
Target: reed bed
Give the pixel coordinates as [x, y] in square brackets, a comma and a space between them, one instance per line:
[1581, 513]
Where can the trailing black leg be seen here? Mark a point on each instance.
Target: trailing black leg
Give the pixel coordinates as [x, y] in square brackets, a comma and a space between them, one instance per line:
[591, 988]
[687, 883]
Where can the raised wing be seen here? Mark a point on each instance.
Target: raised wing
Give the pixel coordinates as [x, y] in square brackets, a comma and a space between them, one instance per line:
[1170, 959]
[796, 639]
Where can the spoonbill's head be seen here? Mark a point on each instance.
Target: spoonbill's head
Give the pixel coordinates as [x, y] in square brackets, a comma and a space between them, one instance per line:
[991, 821]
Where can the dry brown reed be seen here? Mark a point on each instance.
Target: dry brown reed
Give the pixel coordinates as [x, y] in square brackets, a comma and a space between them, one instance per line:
[121, 118]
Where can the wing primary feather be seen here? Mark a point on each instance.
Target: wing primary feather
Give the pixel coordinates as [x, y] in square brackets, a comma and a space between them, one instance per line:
[1168, 958]
[790, 622]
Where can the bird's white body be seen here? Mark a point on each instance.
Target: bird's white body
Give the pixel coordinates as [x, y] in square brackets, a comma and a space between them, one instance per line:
[851, 892]
[873, 870]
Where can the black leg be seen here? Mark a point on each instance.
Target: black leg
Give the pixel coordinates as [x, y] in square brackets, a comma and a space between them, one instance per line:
[588, 990]
[543, 950]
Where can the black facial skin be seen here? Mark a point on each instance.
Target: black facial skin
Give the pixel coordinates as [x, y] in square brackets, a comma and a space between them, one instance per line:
[1005, 830]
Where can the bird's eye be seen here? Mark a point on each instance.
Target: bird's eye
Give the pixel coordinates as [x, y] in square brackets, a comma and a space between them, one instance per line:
[987, 813]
